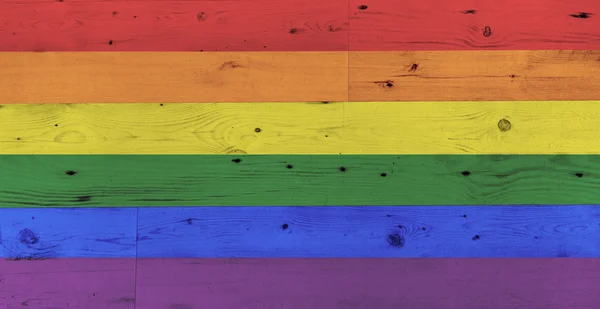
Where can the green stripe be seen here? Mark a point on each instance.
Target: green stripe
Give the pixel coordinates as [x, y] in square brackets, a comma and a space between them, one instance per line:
[198, 180]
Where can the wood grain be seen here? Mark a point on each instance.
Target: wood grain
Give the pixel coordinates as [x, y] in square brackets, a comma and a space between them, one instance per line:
[378, 232]
[474, 25]
[368, 283]
[92, 77]
[301, 232]
[475, 75]
[302, 180]
[68, 283]
[514, 127]
[232, 25]
[37, 234]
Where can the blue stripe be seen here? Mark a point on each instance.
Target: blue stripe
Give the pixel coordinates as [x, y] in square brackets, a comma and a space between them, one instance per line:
[402, 231]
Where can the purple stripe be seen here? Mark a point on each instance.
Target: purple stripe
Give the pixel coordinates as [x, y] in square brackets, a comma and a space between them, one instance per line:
[552, 283]
[68, 284]
[369, 283]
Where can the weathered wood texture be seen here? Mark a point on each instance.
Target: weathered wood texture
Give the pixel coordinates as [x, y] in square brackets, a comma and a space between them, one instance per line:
[368, 283]
[35, 234]
[303, 180]
[298, 77]
[520, 127]
[301, 283]
[275, 232]
[172, 77]
[474, 75]
[179, 25]
[68, 283]
[297, 25]
[465, 24]
[342, 232]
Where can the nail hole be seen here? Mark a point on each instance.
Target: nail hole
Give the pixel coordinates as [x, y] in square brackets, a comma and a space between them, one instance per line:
[342, 169]
[236, 160]
[465, 173]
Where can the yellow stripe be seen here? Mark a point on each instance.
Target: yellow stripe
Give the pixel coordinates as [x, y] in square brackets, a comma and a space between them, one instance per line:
[302, 128]
[509, 75]
[172, 77]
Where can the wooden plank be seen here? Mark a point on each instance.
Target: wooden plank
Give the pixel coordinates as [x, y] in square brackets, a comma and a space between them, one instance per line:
[466, 24]
[68, 283]
[91, 77]
[378, 232]
[303, 180]
[519, 127]
[123, 25]
[312, 232]
[68, 232]
[368, 283]
[475, 75]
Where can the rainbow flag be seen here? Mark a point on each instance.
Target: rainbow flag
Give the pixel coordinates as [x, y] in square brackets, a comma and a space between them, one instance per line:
[299, 154]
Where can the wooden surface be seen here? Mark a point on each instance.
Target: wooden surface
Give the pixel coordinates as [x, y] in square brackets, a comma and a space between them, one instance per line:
[301, 232]
[178, 25]
[172, 77]
[68, 283]
[461, 25]
[297, 25]
[51, 233]
[519, 127]
[303, 180]
[474, 75]
[368, 283]
[298, 77]
[300, 283]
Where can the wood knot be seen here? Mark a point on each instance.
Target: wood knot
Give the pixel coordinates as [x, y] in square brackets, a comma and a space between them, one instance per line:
[581, 15]
[396, 240]
[28, 237]
[362, 7]
[487, 31]
[229, 65]
[504, 125]
[388, 84]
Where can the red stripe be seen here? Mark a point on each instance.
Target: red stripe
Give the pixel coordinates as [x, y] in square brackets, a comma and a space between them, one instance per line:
[270, 25]
[469, 24]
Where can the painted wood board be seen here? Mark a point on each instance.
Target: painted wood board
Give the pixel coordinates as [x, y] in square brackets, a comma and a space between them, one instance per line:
[376, 232]
[474, 75]
[68, 283]
[232, 25]
[368, 283]
[300, 180]
[298, 77]
[301, 232]
[50, 233]
[151, 77]
[395, 25]
[510, 127]
[296, 25]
